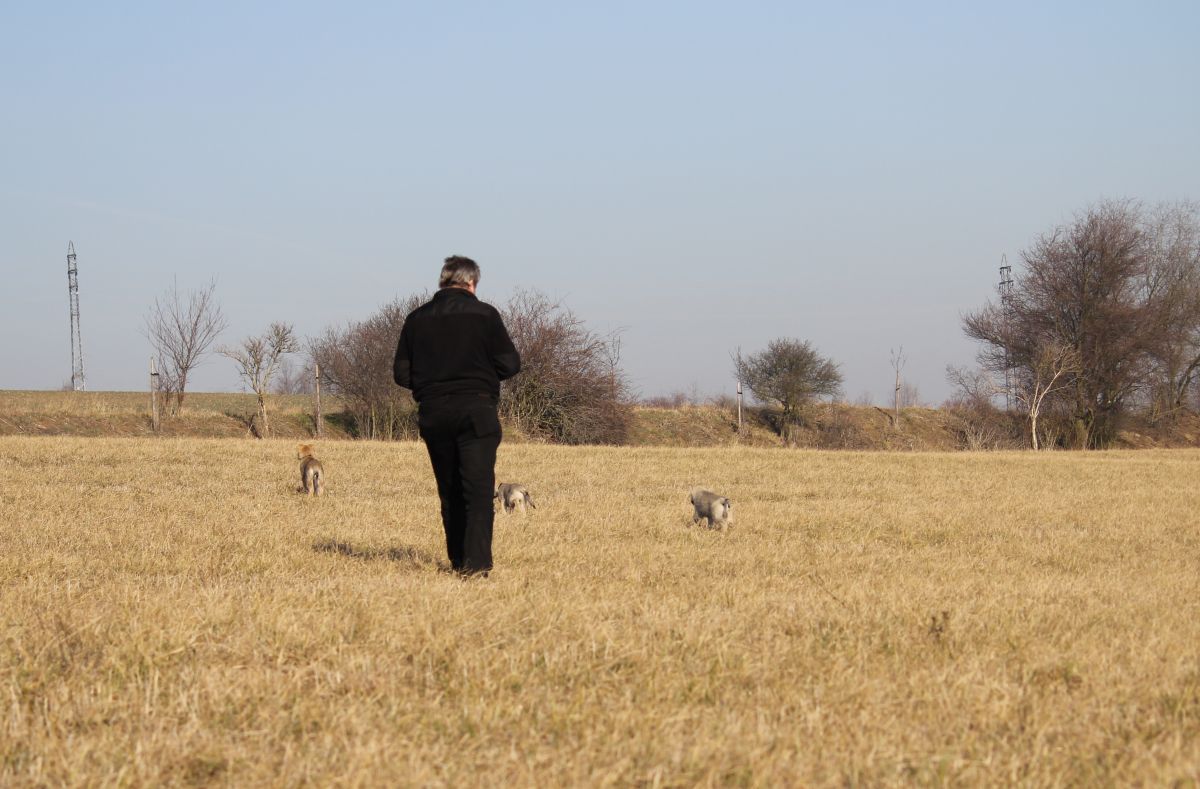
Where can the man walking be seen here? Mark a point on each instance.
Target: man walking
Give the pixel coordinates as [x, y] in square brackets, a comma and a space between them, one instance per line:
[453, 353]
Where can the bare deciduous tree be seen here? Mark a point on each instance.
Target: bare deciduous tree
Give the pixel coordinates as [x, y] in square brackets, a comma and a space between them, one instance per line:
[257, 359]
[1044, 375]
[1173, 285]
[181, 327]
[1084, 289]
[898, 360]
[788, 373]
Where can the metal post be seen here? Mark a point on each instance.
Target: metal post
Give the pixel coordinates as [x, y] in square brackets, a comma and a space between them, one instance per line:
[154, 419]
[77, 381]
[317, 390]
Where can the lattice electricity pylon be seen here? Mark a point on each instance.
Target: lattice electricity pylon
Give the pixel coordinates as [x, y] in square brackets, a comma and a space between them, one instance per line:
[1006, 281]
[1006, 290]
[77, 382]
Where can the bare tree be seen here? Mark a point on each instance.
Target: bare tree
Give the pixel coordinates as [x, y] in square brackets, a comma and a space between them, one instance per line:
[1083, 288]
[257, 359]
[1046, 374]
[1173, 284]
[788, 373]
[898, 360]
[181, 327]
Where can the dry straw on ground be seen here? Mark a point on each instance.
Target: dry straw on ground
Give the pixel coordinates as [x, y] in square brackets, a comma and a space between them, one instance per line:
[174, 613]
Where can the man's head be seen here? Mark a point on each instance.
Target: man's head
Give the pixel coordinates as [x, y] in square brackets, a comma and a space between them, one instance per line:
[459, 272]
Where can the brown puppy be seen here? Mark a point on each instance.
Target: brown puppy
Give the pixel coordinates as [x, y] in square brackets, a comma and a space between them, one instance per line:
[312, 473]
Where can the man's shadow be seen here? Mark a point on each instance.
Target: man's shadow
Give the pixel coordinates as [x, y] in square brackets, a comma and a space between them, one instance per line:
[413, 557]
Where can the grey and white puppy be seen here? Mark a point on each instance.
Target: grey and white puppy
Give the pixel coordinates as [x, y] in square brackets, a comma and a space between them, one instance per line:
[513, 495]
[711, 507]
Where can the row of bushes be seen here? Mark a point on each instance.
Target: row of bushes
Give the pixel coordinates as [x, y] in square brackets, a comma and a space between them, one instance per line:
[570, 390]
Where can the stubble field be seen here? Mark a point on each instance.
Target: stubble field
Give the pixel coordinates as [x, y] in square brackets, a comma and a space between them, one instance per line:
[174, 613]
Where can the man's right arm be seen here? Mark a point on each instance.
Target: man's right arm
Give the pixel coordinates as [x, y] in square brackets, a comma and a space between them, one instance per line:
[402, 366]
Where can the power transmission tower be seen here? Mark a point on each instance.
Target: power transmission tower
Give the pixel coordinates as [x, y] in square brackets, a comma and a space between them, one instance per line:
[1006, 291]
[77, 382]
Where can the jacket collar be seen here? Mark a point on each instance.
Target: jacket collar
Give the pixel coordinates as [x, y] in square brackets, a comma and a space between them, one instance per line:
[449, 293]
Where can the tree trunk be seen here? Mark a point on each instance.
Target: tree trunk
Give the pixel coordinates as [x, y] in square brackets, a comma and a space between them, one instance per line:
[1081, 432]
[896, 419]
[262, 415]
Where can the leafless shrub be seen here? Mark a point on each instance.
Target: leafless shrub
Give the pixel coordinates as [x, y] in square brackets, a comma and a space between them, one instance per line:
[835, 428]
[672, 400]
[356, 364]
[571, 388]
[973, 416]
[725, 402]
[181, 328]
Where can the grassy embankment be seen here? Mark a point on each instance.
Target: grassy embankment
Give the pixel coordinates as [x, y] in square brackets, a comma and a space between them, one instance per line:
[214, 415]
[205, 414]
[826, 426]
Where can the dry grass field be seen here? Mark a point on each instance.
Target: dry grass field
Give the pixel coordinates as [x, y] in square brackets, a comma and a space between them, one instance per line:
[174, 614]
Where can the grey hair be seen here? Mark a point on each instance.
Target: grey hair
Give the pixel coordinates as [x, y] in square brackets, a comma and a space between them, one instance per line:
[458, 272]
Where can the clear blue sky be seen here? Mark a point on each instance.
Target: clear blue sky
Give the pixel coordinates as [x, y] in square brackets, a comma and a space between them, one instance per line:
[706, 175]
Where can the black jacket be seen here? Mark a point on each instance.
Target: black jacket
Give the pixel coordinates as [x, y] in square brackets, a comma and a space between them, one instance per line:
[454, 345]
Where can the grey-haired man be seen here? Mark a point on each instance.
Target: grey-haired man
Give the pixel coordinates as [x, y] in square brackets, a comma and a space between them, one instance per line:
[453, 353]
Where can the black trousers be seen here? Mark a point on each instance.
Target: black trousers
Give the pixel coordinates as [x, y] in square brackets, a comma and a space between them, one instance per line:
[462, 436]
